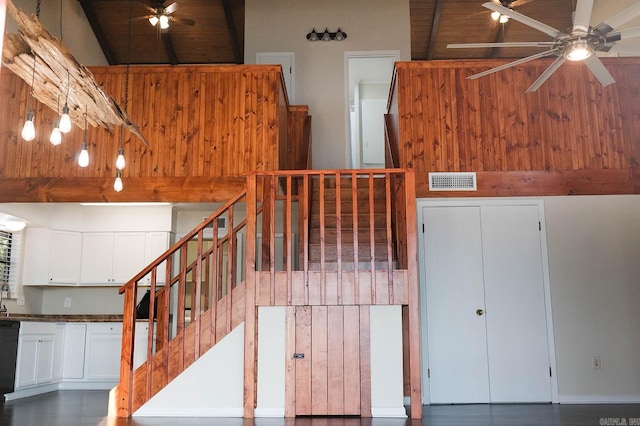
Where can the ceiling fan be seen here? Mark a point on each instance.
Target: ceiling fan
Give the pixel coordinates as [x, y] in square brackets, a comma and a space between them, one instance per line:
[510, 4]
[162, 15]
[580, 44]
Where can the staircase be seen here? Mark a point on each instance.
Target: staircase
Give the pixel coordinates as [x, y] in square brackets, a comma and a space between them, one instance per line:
[339, 249]
[293, 238]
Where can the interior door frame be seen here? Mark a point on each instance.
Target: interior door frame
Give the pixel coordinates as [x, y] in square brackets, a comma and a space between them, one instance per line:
[479, 202]
[349, 146]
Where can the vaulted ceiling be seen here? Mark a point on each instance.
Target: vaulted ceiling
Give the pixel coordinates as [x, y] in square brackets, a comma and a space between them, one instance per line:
[218, 33]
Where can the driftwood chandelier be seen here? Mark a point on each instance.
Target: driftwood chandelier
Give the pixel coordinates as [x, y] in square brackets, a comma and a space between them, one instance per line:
[54, 75]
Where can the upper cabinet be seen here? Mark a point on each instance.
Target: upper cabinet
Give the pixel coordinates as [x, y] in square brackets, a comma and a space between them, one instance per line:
[89, 258]
[111, 257]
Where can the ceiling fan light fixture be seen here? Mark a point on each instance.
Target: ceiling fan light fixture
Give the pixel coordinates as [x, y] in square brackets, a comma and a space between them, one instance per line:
[495, 15]
[164, 22]
[153, 20]
[578, 50]
[503, 19]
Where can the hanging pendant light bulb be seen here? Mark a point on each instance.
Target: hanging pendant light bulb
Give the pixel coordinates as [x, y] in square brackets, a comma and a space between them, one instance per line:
[120, 162]
[164, 22]
[29, 130]
[65, 120]
[117, 184]
[153, 20]
[56, 135]
[83, 158]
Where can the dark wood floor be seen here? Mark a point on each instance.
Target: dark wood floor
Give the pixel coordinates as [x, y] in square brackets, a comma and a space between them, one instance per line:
[89, 408]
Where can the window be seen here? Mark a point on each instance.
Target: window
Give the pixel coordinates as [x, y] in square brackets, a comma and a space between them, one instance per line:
[9, 249]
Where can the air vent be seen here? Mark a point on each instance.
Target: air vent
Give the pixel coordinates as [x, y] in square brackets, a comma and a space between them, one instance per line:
[453, 181]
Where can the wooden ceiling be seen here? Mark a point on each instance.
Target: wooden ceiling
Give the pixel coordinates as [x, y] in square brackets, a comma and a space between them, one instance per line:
[218, 34]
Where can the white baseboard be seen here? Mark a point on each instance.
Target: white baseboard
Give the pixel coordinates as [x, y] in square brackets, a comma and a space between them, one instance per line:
[101, 385]
[190, 412]
[599, 399]
[388, 412]
[37, 390]
[268, 412]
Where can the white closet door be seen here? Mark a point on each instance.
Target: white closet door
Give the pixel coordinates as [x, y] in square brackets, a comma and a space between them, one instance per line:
[514, 291]
[456, 333]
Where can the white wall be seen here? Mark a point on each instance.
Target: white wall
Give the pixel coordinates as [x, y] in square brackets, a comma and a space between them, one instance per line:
[594, 266]
[271, 361]
[282, 26]
[76, 31]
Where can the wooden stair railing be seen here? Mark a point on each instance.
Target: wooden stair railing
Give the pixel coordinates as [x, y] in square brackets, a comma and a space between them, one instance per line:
[327, 237]
[199, 298]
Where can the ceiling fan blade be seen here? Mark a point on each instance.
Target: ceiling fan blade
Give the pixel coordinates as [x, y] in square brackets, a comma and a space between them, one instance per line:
[546, 74]
[519, 3]
[504, 44]
[171, 8]
[619, 19]
[184, 21]
[523, 19]
[599, 71]
[582, 16]
[623, 50]
[514, 63]
[141, 18]
[623, 34]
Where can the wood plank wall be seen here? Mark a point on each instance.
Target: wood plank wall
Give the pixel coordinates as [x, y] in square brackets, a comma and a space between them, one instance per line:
[206, 127]
[572, 136]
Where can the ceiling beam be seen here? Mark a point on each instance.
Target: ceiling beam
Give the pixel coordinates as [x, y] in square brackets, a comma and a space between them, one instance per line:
[169, 49]
[434, 29]
[231, 27]
[97, 31]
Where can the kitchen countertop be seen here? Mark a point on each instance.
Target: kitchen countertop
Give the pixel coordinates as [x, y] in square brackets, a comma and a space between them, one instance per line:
[62, 318]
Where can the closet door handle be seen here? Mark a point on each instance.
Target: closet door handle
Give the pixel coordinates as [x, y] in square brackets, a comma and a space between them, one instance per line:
[479, 312]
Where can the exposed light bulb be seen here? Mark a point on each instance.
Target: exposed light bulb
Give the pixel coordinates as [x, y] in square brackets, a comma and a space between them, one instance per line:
[578, 51]
[164, 22]
[340, 35]
[120, 163]
[117, 184]
[29, 130]
[495, 15]
[503, 19]
[65, 120]
[83, 158]
[56, 135]
[326, 36]
[154, 20]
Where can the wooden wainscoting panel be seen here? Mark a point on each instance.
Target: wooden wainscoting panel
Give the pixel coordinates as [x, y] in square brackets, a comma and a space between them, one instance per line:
[303, 365]
[319, 358]
[335, 360]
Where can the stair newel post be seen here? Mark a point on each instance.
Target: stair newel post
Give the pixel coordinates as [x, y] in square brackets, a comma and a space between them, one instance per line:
[150, 320]
[231, 280]
[415, 375]
[124, 394]
[250, 325]
[323, 272]
[196, 301]
[387, 196]
[305, 210]
[372, 241]
[182, 286]
[287, 237]
[339, 237]
[354, 214]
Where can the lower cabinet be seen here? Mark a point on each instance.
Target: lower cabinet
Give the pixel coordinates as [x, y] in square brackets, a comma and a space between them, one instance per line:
[37, 354]
[72, 356]
[104, 342]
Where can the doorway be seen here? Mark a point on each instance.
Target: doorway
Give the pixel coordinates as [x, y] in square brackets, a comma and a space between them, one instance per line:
[367, 80]
[486, 303]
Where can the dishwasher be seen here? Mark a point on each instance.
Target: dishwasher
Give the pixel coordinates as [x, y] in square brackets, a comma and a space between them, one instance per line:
[8, 355]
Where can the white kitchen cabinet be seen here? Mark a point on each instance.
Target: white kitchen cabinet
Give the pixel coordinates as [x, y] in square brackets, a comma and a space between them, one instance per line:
[36, 354]
[64, 261]
[51, 257]
[104, 341]
[111, 257]
[74, 351]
